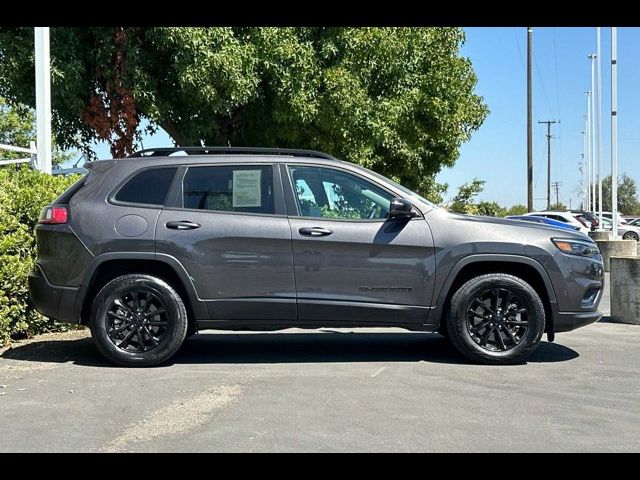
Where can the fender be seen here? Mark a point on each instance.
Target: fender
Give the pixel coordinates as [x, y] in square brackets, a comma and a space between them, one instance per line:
[197, 305]
[436, 313]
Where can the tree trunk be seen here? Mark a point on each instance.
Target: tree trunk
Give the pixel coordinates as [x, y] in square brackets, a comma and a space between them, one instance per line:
[169, 127]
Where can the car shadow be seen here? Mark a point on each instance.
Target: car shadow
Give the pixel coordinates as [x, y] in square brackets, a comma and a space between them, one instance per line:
[255, 348]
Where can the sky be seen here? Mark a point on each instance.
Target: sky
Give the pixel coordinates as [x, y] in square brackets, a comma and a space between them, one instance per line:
[497, 151]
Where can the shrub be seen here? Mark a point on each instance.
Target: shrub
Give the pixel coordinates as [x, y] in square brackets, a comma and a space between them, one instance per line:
[23, 194]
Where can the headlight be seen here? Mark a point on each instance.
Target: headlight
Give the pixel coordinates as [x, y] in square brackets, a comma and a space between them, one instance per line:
[576, 247]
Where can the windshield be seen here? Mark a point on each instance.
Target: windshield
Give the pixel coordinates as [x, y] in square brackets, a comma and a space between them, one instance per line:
[405, 190]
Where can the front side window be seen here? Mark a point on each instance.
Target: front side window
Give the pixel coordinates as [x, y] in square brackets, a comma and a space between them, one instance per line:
[328, 193]
[149, 187]
[233, 188]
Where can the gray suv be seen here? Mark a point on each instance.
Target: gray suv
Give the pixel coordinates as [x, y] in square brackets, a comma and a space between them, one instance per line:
[148, 250]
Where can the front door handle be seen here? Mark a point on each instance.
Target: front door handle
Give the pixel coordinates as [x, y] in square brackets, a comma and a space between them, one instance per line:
[315, 231]
[182, 225]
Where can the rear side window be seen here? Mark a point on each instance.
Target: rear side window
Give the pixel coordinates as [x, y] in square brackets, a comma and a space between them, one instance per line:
[234, 188]
[149, 187]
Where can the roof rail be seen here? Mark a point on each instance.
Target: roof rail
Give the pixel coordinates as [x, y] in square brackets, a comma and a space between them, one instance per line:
[166, 151]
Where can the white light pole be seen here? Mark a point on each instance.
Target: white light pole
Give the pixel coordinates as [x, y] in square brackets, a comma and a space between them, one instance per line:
[599, 120]
[587, 152]
[43, 99]
[614, 131]
[585, 200]
[592, 127]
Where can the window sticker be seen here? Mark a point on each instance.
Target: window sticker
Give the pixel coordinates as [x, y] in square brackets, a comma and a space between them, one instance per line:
[247, 188]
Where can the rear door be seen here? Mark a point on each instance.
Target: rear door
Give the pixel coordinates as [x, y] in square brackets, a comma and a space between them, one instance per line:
[353, 264]
[226, 225]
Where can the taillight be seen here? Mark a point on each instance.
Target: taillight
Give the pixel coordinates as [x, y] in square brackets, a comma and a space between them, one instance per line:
[53, 215]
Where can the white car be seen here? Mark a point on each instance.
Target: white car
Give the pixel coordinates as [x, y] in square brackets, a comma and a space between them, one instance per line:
[626, 231]
[609, 216]
[565, 217]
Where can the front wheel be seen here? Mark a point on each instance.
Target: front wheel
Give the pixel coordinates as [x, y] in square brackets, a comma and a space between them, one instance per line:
[496, 319]
[138, 320]
[630, 236]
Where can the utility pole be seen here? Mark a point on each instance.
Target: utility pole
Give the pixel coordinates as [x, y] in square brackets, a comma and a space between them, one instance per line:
[548, 122]
[529, 124]
[556, 187]
[614, 132]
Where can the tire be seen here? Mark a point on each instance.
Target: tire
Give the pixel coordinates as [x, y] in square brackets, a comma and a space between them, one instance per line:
[469, 324]
[138, 337]
[630, 236]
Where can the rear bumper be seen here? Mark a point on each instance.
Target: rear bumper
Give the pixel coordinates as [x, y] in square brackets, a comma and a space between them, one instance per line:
[51, 300]
[567, 321]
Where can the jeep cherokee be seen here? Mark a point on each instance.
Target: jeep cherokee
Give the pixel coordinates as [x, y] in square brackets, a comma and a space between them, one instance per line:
[149, 249]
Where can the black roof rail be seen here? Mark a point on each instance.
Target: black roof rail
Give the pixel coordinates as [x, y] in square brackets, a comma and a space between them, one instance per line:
[166, 151]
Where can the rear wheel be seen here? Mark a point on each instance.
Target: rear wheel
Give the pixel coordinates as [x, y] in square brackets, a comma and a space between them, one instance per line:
[138, 320]
[496, 319]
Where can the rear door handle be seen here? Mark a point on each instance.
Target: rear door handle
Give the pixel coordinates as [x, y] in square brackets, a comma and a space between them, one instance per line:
[315, 231]
[182, 225]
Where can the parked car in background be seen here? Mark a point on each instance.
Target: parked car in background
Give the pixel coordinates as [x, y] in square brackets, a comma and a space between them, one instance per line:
[588, 216]
[631, 218]
[626, 231]
[609, 216]
[564, 217]
[635, 223]
[544, 220]
[150, 249]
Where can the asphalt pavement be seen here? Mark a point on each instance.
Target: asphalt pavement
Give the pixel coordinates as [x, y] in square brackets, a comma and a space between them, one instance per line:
[324, 390]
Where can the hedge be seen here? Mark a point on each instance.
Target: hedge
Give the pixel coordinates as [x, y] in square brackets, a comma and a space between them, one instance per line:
[23, 193]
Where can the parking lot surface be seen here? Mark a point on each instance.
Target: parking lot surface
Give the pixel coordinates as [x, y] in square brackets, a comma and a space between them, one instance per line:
[324, 390]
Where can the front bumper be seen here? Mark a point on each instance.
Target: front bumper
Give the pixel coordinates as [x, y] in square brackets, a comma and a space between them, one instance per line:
[53, 301]
[567, 321]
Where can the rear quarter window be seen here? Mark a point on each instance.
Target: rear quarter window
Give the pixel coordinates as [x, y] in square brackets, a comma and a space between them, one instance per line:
[149, 187]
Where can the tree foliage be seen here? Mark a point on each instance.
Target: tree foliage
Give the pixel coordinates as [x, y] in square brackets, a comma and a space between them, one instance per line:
[398, 100]
[557, 207]
[628, 203]
[517, 209]
[17, 128]
[490, 209]
[463, 202]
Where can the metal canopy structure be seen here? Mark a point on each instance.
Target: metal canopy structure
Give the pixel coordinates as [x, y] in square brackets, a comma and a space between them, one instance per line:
[39, 152]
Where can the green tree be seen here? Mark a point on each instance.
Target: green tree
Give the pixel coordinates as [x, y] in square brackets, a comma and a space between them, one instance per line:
[558, 207]
[490, 209]
[17, 128]
[517, 209]
[463, 202]
[628, 203]
[398, 100]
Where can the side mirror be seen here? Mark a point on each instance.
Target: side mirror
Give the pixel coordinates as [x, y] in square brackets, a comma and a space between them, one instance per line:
[401, 208]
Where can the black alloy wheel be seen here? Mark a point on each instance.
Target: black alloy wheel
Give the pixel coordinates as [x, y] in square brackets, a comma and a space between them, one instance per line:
[497, 319]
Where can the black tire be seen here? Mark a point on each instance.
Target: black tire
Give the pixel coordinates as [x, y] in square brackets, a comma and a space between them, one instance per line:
[630, 236]
[524, 320]
[115, 303]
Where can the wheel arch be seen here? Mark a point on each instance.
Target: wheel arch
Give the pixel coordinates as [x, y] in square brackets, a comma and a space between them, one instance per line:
[106, 267]
[525, 268]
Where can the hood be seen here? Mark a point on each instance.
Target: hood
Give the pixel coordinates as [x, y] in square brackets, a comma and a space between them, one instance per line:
[517, 227]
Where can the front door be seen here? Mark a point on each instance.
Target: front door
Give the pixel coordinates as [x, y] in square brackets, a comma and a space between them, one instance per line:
[228, 229]
[353, 264]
